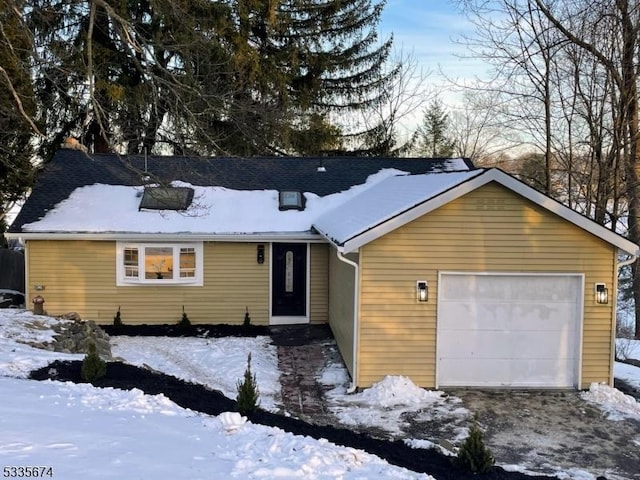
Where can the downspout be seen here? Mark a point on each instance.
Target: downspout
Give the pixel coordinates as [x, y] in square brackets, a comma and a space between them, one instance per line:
[628, 261]
[354, 366]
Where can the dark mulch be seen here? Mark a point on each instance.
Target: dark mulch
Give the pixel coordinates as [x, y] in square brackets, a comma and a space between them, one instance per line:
[199, 330]
[202, 399]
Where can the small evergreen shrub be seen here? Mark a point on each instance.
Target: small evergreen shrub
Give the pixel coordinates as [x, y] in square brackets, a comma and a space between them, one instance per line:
[247, 319]
[473, 454]
[117, 320]
[93, 367]
[184, 323]
[248, 397]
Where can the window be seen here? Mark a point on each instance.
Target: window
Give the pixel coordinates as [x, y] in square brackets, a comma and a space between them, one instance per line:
[166, 198]
[159, 264]
[291, 200]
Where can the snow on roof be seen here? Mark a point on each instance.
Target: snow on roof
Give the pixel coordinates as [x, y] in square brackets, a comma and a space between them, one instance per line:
[390, 198]
[102, 208]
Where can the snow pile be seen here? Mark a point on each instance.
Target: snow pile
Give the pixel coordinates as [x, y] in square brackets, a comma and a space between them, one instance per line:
[231, 421]
[386, 402]
[617, 405]
[394, 391]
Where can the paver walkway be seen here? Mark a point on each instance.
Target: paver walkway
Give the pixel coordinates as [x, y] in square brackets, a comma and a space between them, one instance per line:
[303, 351]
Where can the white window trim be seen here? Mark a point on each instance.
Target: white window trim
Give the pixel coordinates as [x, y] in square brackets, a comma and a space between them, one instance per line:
[124, 281]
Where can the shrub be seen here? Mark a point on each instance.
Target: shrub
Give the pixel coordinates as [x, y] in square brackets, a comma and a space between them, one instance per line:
[117, 320]
[93, 367]
[248, 397]
[184, 323]
[473, 454]
[247, 319]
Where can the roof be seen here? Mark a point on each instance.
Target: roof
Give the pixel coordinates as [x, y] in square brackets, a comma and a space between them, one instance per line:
[351, 203]
[399, 200]
[79, 193]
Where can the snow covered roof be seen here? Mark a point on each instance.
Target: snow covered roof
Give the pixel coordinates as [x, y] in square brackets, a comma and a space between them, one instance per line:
[398, 200]
[83, 196]
[390, 198]
[350, 202]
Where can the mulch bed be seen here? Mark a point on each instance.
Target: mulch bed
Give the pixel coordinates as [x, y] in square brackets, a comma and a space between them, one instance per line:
[199, 330]
[202, 399]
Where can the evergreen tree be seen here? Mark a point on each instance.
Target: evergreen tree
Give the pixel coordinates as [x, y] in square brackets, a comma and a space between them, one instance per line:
[473, 453]
[93, 367]
[434, 140]
[236, 77]
[248, 397]
[16, 104]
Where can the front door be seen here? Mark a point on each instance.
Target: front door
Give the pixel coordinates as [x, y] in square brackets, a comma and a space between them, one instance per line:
[289, 281]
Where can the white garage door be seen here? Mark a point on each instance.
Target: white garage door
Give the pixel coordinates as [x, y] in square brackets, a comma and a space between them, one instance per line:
[509, 330]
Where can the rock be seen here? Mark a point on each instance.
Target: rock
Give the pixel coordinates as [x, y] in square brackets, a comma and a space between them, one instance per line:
[73, 316]
[76, 335]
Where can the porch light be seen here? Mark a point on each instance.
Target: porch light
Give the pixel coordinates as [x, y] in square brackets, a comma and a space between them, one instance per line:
[422, 293]
[602, 293]
[260, 254]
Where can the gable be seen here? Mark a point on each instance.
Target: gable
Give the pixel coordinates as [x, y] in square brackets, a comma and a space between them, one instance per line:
[349, 240]
[494, 224]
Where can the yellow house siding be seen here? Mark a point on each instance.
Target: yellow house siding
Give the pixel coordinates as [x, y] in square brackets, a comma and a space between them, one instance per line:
[341, 291]
[488, 230]
[319, 283]
[80, 276]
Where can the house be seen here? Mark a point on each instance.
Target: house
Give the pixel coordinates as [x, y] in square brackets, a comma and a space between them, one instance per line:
[429, 268]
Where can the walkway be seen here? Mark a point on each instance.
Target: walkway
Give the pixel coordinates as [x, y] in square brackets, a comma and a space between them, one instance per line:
[302, 354]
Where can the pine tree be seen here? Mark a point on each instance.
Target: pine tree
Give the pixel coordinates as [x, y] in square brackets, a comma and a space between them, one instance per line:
[184, 323]
[473, 454]
[117, 320]
[248, 397]
[93, 367]
[235, 77]
[16, 103]
[246, 324]
[434, 141]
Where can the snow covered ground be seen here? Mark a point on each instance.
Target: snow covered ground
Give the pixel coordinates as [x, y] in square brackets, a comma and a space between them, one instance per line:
[81, 431]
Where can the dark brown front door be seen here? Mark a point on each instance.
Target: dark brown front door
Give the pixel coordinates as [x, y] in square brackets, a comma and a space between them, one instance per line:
[289, 280]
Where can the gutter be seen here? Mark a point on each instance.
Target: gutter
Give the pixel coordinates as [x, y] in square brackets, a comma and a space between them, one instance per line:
[354, 367]
[169, 237]
[628, 261]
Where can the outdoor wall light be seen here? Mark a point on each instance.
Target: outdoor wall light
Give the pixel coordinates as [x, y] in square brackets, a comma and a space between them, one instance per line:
[260, 254]
[602, 293]
[422, 292]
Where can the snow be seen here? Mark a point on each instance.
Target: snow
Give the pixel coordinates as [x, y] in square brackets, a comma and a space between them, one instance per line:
[628, 348]
[218, 363]
[616, 404]
[82, 431]
[388, 199]
[628, 373]
[85, 432]
[387, 401]
[215, 210]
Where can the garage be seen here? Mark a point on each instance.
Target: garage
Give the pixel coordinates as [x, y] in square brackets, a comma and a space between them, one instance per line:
[509, 330]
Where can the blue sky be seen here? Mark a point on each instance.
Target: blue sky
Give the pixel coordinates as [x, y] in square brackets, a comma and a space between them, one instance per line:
[428, 29]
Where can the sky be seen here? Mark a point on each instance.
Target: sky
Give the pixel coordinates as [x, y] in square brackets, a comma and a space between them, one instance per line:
[431, 30]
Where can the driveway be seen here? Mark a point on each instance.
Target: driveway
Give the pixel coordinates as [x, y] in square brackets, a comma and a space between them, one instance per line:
[551, 429]
[543, 430]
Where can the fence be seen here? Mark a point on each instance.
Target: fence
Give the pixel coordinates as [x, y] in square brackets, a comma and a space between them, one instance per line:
[11, 270]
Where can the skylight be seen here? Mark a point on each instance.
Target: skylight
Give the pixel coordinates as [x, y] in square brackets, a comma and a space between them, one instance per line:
[166, 198]
[291, 200]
